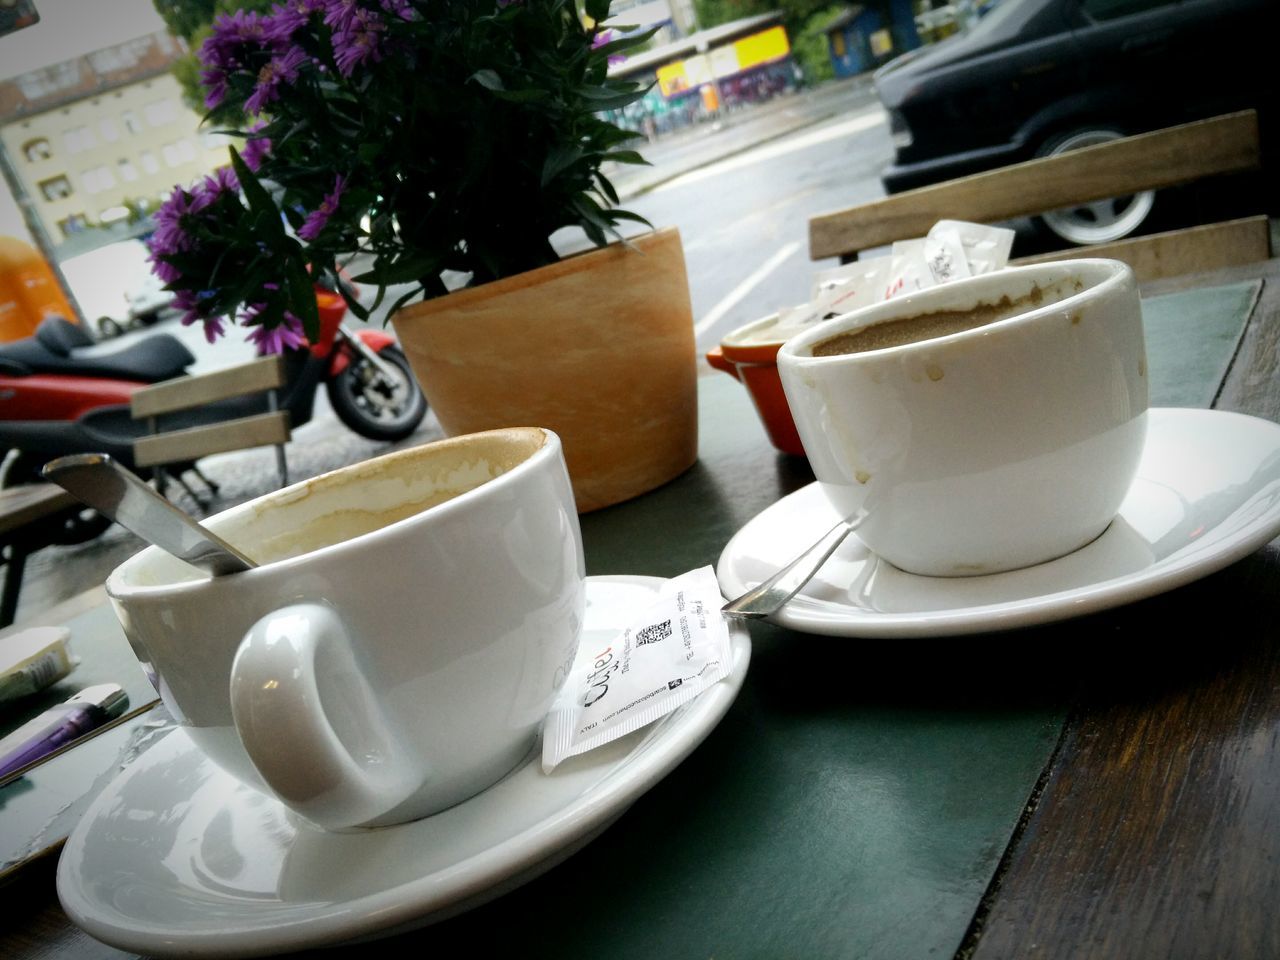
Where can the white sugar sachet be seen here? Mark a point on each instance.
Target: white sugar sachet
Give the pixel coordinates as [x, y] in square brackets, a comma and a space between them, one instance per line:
[674, 649]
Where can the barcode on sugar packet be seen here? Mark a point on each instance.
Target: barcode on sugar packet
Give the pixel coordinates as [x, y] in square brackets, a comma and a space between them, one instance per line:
[678, 647]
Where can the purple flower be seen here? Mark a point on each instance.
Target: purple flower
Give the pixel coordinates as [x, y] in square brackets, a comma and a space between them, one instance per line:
[318, 218]
[256, 149]
[170, 235]
[163, 269]
[339, 14]
[399, 8]
[190, 302]
[222, 180]
[286, 19]
[288, 334]
[358, 42]
[227, 49]
[282, 68]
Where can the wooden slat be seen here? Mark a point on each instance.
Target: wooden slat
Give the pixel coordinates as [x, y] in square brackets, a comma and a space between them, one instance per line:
[1212, 246]
[1148, 161]
[183, 393]
[196, 442]
[27, 504]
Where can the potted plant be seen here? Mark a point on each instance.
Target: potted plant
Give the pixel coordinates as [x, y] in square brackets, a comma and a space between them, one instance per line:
[429, 140]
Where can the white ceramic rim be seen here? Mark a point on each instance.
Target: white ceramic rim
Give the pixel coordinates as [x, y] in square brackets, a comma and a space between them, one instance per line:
[1111, 273]
[1045, 608]
[116, 585]
[659, 750]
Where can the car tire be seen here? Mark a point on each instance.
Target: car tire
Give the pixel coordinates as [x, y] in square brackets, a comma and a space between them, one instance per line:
[1102, 221]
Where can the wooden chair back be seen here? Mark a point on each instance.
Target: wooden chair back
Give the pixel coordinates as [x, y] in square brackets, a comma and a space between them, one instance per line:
[188, 444]
[1150, 161]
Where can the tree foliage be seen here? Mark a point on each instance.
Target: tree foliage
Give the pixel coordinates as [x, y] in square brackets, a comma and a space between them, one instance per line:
[192, 21]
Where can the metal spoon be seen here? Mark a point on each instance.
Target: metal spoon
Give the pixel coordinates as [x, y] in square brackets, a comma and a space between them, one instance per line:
[769, 597]
[101, 483]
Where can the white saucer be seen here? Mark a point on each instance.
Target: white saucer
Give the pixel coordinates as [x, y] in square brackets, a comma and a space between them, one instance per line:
[1207, 494]
[177, 858]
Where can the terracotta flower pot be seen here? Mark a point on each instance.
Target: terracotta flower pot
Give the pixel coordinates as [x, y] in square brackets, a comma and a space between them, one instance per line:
[598, 347]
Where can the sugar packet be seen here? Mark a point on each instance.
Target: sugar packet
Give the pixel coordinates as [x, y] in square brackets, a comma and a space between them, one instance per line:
[33, 659]
[674, 649]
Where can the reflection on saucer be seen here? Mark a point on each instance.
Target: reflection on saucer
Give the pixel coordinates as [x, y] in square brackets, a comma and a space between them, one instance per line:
[176, 857]
[1207, 493]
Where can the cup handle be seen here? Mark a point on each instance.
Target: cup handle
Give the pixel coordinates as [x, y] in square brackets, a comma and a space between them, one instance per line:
[715, 357]
[311, 723]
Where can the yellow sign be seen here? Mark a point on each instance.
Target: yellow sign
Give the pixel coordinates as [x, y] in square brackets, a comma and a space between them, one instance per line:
[753, 51]
[672, 79]
[763, 47]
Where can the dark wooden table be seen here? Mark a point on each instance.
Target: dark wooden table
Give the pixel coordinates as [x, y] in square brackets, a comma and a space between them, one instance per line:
[1104, 787]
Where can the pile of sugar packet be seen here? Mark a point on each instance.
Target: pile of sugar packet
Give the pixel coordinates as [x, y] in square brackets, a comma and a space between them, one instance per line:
[953, 250]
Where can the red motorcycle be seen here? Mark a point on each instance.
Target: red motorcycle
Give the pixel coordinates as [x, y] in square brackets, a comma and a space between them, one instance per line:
[61, 393]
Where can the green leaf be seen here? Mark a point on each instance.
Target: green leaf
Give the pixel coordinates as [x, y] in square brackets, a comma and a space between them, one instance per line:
[597, 10]
[404, 269]
[302, 296]
[522, 96]
[559, 160]
[488, 79]
[626, 156]
[268, 214]
[607, 98]
[606, 187]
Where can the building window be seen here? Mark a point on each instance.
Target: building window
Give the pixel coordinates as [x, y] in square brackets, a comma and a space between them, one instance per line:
[108, 129]
[179, 152]
[76, 223]
[149, 162]
[128, 172]
[97, 179]
[37, 150]
[55, 188]
[79, 139]
[131, 122]
[160, 112]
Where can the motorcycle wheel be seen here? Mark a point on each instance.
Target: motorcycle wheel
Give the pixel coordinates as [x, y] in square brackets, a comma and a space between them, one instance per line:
[374, 406]
[80, 527]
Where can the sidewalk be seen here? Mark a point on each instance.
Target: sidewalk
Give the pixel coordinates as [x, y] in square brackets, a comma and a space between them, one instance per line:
[59, 573]
[679, 153]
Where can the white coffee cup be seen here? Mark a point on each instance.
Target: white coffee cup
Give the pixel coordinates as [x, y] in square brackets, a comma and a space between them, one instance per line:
[400, 645]
[992, 448]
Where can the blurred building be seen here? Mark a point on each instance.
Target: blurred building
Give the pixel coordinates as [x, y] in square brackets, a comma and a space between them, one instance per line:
[93, 138]
[864, 36]
[705, 74]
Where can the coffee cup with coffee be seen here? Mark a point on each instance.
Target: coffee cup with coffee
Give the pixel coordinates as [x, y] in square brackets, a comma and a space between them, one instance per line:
[401, 641]
[979, 426]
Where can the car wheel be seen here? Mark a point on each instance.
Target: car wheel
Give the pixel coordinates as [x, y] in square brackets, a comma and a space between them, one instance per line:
[1101, 221]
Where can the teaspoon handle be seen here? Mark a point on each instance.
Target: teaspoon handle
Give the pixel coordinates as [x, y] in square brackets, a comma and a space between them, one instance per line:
[99, 482]
[769, 597]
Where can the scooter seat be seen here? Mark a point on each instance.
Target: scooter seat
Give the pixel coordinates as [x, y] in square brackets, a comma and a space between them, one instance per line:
[61, 336]
[156, 357]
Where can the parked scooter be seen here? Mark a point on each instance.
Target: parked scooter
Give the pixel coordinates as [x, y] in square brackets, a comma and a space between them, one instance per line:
[61, 393]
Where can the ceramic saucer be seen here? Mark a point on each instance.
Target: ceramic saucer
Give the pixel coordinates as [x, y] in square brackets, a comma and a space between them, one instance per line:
[177, 858]
[1207, 493]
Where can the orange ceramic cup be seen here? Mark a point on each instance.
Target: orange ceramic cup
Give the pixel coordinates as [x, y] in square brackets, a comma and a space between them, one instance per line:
[748, 355]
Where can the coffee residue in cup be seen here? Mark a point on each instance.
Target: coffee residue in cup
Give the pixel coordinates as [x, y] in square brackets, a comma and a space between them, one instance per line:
[927, 326]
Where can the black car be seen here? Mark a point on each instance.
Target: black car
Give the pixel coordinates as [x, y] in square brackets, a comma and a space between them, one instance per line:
[1036, 77]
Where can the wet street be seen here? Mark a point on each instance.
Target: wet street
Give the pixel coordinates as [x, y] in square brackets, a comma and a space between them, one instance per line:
[744, 219]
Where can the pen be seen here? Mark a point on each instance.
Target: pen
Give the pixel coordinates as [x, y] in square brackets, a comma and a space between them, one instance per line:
[87, 710]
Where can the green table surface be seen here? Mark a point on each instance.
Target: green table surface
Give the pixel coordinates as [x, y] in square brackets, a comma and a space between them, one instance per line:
[857, 799]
